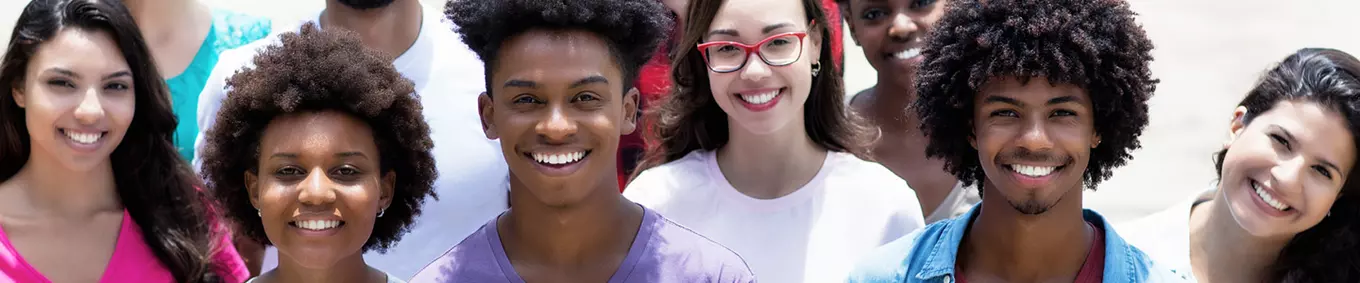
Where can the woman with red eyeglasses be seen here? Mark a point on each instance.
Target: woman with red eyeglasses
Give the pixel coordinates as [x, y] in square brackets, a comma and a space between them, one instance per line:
[757, 147]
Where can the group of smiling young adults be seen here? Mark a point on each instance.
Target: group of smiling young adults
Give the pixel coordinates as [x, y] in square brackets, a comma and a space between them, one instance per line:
[383, 141]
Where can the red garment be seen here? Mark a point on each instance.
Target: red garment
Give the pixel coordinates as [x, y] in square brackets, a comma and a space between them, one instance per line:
[1092, 271]
[654, 82]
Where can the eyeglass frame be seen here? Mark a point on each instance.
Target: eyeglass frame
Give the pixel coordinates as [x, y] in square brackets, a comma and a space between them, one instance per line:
[748, 49]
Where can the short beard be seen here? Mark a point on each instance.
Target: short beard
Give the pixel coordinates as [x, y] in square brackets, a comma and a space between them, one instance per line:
[1031, 206]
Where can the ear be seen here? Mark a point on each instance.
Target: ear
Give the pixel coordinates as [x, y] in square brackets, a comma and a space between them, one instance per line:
[630, 112]
[253, 189]
[486, 109]
[1095, 140]
[19, 97]
[389, 185]
[1236, 126]
[815, 42]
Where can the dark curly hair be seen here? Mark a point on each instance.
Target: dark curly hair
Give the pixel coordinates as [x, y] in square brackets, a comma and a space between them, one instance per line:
[632, 29]
[689, 119]
[154, 184]
[315, 70]
[1330, 250]
[1093, 44]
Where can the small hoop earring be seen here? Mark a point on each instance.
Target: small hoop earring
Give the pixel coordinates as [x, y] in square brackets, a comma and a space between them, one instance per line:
[816, 69]
[381, 211]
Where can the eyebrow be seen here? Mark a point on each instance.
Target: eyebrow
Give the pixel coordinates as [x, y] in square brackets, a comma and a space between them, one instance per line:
[341, 155]
[69, 73]
[597, 79]
[521, 83]
[1012, 101]
[1290, 136]
[733, 32]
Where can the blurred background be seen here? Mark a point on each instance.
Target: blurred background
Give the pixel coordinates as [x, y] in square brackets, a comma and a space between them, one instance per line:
[1208, 54]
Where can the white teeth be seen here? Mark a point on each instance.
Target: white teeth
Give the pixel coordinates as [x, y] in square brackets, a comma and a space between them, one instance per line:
[907, 54]
[1269, 199]
[318, 224]
[83, 138]
[1033, 171]
[760, 98]
[559, 158]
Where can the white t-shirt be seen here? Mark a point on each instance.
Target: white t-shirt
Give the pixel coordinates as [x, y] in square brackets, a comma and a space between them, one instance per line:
[473, 178]
[814, 234]
[1164, 236]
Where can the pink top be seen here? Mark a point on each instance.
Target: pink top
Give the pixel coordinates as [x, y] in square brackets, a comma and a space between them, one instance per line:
[132, 260]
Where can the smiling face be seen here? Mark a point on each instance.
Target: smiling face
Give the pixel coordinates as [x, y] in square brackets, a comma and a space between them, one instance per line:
[892, 32]
[319, 187]
[1283, 171]
[558, 107]
[78, 99]
[762, 97]
[1034, 140]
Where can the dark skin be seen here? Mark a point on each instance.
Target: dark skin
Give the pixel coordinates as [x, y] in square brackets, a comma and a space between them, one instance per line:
[884, 30]
[561, 92]
[1030, 229]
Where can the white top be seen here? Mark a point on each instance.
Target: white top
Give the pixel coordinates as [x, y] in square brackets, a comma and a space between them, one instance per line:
[814, 234]
[473, 178]
[1165, 237]
[960, 199]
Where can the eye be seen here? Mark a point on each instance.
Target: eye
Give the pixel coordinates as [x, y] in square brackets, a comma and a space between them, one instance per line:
[917, 4]
[523, 99]
[586, 96]
[1061, 112]
[61, 83]
[1280, 139]
[728, 48]
[873, 14]
[780, 42]
[347, 171]
[289, 171]
[1004, 113]
[116, 86]
[1323, 171]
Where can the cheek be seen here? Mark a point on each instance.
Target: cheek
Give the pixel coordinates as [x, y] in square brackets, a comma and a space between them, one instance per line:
[120, 110]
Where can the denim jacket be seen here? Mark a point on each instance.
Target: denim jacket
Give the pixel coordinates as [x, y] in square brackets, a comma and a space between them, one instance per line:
[928, 255]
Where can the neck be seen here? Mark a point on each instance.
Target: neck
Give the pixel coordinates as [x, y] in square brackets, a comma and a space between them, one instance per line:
[162, 20]
[350, 269]
[391, 29]
[1225, 251]
[893, 93]
[599, 229]
[45, 188]
[1005, 243]
[768, 166]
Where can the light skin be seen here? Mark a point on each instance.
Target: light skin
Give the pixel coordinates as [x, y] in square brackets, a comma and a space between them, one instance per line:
[890, 32]
[1030, 229]
[319, 166]
[769, 153]
[1292, 152]
[561, 93]
[61, 211]
[173, 29]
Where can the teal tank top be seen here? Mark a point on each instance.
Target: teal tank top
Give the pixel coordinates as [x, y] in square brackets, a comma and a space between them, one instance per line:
[229, 30]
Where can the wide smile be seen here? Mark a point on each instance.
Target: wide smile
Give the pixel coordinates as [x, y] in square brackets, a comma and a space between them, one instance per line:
[905, 54]
[1033, 175]
[761, 99]
[558, 163]
[84, 140]
[317, 227]
[1268, 200]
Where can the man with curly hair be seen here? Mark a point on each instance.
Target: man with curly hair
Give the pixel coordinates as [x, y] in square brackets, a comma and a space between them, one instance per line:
[425, 50]
[560, 91]
[1034, 100]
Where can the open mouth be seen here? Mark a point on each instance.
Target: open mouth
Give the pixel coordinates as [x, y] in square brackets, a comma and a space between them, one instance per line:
[1267, 197]
[83, 137]
[561, 159]
[317, 225]
[1033, 170]
[908, 54]
[760, 98]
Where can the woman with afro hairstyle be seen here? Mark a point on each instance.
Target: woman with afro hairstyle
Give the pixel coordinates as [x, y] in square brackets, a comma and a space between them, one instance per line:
[323, 153]
[1034, 101]
[1285, 208]
[757, 147]
[91, 188]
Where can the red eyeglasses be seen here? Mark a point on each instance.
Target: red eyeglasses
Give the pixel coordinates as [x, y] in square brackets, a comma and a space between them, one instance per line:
[729, 56]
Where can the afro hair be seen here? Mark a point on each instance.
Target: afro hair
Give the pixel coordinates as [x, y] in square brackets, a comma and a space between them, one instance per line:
[633, 29]
[315, 70]
[1093, 44]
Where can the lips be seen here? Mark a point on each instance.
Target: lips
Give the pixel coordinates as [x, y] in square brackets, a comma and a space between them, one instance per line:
[559, 158]
[84, 137]
[1268, 197]
[908, 54]
[759, 97]
[1033, 170]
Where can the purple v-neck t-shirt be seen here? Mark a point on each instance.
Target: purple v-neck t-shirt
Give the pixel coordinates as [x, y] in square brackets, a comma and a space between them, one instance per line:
[662, 252]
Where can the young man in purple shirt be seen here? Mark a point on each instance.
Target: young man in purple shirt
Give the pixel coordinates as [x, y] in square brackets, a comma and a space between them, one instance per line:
[559, 94]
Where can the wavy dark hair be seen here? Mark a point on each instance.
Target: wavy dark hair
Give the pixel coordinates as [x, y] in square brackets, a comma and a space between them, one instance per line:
[689, 119]
[1330, 250]
[319, 70]
[1095, 45]
[153, 182]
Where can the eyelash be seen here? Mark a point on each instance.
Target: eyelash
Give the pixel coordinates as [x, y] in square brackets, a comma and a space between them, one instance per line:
[1284, 142]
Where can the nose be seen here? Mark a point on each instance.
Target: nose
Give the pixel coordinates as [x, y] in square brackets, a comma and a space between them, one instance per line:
[90, 110]
[902, 28]
[1286, 175]
[755, 69]
[558, 127]
[1034, 136]
[316, 189]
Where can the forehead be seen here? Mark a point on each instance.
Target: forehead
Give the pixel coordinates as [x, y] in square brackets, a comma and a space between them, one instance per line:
[1036, 89]
[316, 130]
[80, 51]
[549, 57]
[749, 17]
[1316, 126]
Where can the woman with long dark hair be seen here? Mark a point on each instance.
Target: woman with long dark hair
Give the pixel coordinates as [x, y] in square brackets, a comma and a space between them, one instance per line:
[93, 189]
[1285, 208]
[758, 151]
